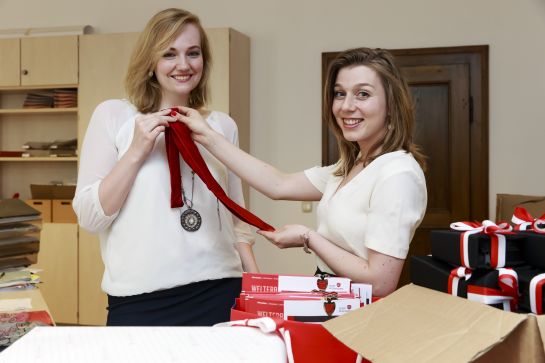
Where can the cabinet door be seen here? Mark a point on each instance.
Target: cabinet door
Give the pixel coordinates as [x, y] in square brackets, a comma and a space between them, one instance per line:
[58, 258]
[49, 60]
[101, 75]
[92, 300]
[10, 59]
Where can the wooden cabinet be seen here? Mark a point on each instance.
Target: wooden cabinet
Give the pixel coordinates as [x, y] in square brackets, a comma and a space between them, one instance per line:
[39, 61]
[18, 126]
[58, 257]
[10, 62]
[41, 65]
[101, 78]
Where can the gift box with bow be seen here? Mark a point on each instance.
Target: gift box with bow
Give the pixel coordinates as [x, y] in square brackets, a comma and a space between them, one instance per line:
[531, 284]
[533, 231]
[478, 245]
[498, 287]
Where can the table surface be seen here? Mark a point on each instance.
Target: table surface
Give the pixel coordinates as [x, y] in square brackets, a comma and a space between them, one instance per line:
[146, 344]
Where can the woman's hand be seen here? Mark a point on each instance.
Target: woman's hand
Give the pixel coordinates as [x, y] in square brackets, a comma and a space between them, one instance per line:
[146, 129]
[291, 235]
[200, 130]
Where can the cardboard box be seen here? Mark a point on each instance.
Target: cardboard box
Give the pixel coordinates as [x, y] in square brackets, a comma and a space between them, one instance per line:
[416, 324]
[43, 206]
[62, 211]
[506, 203]
[52, 191]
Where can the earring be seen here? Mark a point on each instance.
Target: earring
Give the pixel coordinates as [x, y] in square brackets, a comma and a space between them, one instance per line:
[150, 74]
[390, 127]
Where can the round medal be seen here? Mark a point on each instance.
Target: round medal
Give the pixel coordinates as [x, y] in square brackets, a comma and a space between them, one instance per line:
[190, 220]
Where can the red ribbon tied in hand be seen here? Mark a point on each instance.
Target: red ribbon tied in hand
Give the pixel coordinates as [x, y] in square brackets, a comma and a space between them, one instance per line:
[178, 141]
[496, 232]
[524, 221]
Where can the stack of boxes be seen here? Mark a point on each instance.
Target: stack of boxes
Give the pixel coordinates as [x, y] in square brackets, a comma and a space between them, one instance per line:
[54, 202]
[496, 264]
[300, 304]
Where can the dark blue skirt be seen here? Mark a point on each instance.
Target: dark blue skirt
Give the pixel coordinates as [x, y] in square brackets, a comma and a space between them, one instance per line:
[203, 303]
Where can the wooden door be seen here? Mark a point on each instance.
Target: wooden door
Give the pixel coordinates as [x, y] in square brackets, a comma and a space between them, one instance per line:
[450, 91]
[10, 59]
[49, 60]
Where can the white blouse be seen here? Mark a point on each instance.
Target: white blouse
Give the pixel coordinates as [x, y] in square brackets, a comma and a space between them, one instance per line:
[379, 209]
[143, 246]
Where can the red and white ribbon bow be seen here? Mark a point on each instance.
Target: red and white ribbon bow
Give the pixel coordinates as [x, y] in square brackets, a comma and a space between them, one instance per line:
[455, 276]
[267, 325]
[536, 294]
[507, 294]
[496, 233]
[524, 221]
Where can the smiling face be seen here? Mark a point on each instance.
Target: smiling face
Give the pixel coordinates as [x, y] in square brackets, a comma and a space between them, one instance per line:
[359, 105]
[180, 68]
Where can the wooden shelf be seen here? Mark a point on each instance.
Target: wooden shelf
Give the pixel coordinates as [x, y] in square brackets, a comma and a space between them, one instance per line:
[36, 111]
[40, 158]
[27, 88]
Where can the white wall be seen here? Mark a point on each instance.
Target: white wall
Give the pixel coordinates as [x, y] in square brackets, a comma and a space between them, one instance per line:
[288, 38]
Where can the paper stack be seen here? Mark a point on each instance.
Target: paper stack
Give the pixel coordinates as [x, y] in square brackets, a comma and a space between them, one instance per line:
[19, 241]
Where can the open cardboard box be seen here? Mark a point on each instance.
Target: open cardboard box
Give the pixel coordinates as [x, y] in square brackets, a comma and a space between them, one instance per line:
[415, 324]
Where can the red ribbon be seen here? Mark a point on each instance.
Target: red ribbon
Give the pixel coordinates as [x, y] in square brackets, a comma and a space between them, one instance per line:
[493, 230]
[536, 293]
[523, 221]
[508, 290]
[178, 141]
[454, 277]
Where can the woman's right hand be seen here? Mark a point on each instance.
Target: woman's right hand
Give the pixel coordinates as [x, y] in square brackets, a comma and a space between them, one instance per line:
[200, 129]
[146, 129]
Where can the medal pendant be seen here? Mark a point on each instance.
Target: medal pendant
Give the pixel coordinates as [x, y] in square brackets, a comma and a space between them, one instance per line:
[190, 220]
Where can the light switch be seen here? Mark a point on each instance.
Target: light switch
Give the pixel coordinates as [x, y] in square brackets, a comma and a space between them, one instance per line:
[306, 207]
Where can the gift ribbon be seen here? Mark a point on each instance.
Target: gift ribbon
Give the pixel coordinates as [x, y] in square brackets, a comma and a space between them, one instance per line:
[507, 294]
[524, 221]
[496, 233]
[455, 276]
[178, 141]
[266, 325]
[271, 326]
[536, 294]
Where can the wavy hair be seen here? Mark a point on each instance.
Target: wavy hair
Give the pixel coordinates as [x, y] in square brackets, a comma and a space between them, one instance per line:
[400, 119]
[143, 90]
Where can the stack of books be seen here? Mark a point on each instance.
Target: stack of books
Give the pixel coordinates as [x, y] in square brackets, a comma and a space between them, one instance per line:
[65, 98]
[45, 148]
[41, 99]
[19, 241]
[63, 147]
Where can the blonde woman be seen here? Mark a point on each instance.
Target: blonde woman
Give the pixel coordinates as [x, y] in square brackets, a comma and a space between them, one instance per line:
[158, 269]
[374, 198]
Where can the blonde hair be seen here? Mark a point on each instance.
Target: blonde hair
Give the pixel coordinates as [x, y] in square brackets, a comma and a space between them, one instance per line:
[143, 90]
[400, 119]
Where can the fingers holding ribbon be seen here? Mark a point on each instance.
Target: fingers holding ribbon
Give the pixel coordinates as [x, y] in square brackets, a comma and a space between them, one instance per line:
[288, 236]
[146, 129]
[195, 122]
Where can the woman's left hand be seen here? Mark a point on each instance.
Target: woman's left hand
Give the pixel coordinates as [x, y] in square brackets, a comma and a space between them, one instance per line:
[288, 236]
